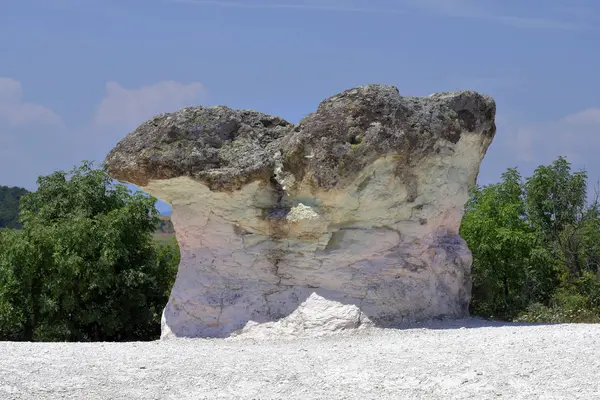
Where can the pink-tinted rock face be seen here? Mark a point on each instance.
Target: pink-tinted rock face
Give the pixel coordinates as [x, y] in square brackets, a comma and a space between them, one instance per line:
[348, 219]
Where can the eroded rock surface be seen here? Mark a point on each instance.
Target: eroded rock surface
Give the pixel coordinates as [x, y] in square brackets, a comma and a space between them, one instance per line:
[348, 219]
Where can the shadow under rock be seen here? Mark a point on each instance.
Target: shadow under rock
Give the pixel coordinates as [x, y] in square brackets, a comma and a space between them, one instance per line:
[464, 323]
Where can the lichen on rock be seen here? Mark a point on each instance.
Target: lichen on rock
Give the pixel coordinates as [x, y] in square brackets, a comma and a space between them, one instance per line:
[349, 218]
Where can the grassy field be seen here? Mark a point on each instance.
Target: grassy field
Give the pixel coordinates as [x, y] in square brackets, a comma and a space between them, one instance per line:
[164, 238]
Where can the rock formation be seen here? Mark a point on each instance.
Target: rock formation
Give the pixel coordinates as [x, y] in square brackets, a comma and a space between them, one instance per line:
[349, 218]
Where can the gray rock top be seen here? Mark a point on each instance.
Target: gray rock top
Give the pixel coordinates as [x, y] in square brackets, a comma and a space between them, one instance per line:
[226, 149]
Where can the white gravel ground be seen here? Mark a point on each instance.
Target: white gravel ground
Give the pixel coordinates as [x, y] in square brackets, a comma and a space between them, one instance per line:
[442, 361]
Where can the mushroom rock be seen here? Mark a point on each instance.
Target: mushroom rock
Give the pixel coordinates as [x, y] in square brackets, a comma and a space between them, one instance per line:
[348, 219]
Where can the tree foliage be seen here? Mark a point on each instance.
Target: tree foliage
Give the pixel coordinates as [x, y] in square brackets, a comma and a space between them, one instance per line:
[84, 266]
[535, 245]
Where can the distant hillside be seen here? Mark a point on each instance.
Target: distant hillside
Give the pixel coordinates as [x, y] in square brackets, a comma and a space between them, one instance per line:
[9, 206]
[165, 232]
[165, 225]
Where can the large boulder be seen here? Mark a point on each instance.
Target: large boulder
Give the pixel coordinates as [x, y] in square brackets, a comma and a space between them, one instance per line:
[348, 219]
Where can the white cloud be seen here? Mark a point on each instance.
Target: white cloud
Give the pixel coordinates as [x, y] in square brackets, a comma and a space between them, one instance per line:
[527, 146]
[576, 136]
[27, 151]
[590, 116]
[16, 112]
[128, 108]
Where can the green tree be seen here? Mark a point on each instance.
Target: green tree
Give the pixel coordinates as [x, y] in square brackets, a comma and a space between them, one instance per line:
[536, 247]
[557, 208]
[84, 266]
[510, 268]
[20, 284]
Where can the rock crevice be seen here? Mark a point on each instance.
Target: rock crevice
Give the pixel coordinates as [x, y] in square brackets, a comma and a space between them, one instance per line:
[349, 218]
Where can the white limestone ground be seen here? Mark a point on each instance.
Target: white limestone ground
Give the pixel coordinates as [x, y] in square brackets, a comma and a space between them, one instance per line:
[481, 361]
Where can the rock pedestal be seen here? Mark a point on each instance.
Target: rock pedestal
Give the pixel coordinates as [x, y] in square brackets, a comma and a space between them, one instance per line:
[348, 219]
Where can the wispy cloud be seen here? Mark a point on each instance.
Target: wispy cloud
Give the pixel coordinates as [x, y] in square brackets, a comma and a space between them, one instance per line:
[297, 6]
[128, 108]
[16, 112]
[486, 10]
[575, 135]
[27, 151]
[518, 143]
[539, 23]
[587, 117]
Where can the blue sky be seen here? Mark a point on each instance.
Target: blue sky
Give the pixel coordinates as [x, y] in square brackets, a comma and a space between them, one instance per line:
[77, 75]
